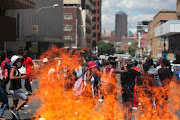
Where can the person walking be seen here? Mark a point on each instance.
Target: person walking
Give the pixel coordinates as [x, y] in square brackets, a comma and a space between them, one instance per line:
[15, 85]
[165, 76]
[3, 93]
[128, 86]
[28, 64]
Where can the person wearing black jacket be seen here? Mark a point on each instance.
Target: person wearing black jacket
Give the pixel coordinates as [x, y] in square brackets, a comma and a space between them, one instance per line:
[128, 83]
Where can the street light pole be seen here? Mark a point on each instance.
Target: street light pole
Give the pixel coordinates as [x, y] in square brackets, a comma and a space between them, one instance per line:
[53, 6]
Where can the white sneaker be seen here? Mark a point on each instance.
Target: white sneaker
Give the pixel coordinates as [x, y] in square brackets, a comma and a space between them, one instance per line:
[25, 105]
[100, 100]
[135, 108]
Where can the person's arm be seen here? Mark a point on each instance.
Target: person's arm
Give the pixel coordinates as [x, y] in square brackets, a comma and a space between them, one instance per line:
[88, 76]
[142, 69]
[30, 61]
[121, 71]
[12, 77]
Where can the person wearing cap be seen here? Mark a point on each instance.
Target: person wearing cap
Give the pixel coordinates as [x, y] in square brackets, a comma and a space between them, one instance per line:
[128, 85]
[15, 85]
[89, 79]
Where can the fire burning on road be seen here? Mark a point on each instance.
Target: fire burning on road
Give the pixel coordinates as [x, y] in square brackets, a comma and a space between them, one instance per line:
[56, 80]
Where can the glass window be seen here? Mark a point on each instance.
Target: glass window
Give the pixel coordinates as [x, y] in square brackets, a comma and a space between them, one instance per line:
[67, 38]
[68, 16]
[67, 27]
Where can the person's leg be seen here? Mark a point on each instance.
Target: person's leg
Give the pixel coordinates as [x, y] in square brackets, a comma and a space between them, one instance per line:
[28, 85]
[2, 101]
[24, 102]
[21, 95]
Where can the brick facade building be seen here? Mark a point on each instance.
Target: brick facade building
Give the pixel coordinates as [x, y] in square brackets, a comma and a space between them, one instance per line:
[97, 21]
[156, 44]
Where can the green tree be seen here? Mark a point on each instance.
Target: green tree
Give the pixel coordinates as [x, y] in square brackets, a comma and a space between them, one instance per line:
[133, 48]
[121, 51]
[107, 48]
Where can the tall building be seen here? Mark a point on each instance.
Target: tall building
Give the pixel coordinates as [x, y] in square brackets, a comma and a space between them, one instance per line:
[157, 43]
[38, 28]
[72, 23]
[121, 24]
[78, 23]
[142, 31]
[106, 32]
[178, 9]
[97, 21]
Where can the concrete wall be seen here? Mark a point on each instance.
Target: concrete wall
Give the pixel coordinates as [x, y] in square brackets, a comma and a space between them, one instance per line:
[49, 21]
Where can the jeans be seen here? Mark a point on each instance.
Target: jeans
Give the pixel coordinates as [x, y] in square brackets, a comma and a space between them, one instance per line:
[3, 100]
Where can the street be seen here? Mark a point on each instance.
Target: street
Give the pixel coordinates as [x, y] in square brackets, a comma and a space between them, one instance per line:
[26, 113]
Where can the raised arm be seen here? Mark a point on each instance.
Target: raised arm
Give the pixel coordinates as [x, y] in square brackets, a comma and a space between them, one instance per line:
[121, 71]
[142, 69]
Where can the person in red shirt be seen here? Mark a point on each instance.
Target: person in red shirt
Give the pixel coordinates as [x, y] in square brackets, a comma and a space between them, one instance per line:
[28, 64]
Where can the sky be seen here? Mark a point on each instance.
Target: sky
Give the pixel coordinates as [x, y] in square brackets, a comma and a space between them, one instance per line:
[137, 10]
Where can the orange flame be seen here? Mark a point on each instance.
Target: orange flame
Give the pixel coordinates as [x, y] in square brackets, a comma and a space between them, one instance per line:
[59, 103]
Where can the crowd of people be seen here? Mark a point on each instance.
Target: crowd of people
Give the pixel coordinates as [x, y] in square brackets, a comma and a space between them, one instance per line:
[9, 73]
[96, 82]
[135, 77]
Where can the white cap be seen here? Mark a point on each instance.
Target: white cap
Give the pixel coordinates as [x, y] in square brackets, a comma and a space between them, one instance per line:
[45, 60]
[14, 58]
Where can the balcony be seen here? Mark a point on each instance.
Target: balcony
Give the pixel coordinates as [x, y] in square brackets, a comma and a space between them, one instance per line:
[169, 28]
[16, 4]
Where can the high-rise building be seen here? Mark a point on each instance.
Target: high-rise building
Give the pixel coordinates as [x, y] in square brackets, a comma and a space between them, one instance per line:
[78, 23]
[121, 24]
[97, 21]
[72, 23]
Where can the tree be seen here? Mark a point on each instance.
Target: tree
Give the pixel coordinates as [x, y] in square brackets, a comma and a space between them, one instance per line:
[107, 48]
[133, 48]
[121, 51]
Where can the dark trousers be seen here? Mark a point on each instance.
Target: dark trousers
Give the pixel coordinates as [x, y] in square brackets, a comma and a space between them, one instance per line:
[3, 100]
[28, 85]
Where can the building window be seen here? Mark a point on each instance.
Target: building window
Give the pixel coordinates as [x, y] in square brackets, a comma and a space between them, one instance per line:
[94, 27]
[98, 11]
[67, 27]
[66, 38]
[98, 27]
[68, 16]
[94, 19]
[98, 18]
[94, 11]
[99, 3]
[94, 3]
[94, 34]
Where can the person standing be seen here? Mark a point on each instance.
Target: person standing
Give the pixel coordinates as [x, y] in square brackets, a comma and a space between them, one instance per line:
[165, 75]
[15, 85]
[128, 86]
[28, 64]
[3, 93]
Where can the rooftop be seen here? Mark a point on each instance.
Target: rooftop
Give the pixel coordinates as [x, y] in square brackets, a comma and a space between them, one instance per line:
[165, 11]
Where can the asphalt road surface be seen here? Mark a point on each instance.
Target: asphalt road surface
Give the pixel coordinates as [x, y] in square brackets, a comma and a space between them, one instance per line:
[27, 112]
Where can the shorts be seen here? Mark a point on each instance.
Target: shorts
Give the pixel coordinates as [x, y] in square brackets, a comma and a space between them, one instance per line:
[18, 94]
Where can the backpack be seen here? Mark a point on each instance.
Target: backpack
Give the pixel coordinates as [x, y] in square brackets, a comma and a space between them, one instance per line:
[79, 87]
[177, 75]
